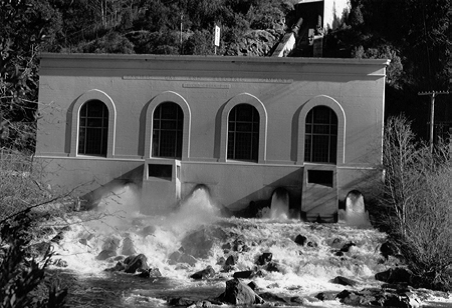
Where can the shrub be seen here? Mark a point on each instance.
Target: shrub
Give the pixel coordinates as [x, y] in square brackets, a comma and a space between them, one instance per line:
[415, 208]
[21, 277]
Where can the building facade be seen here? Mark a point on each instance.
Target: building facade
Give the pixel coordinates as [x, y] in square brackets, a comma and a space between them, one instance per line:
[241, 126]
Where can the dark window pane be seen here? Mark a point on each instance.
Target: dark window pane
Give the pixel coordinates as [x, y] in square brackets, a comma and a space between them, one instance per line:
[243, 133]
[160, 171]
[322, 177]
[93, 128]
[321, 135]
[168, 131]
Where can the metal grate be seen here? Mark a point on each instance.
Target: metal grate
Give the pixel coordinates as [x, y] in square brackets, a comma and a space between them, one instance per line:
[93, 129]
[243, 133]
[167, 131]
[321, 135]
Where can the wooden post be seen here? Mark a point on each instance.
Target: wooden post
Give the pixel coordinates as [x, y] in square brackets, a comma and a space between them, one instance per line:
[432, 95]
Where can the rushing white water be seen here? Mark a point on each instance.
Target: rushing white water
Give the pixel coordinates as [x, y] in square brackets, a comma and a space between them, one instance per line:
[355, 213]
[279, 208]
[304, 270]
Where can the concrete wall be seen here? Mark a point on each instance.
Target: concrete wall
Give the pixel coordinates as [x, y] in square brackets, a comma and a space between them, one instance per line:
[206, 88]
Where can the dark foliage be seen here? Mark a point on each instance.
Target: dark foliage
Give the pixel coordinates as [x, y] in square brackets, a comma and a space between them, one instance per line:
[21, 276]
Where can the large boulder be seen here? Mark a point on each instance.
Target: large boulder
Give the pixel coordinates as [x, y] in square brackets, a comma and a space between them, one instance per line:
[111, 244]
[181, 257]
[105, 254]
[208, 272]
[238, 293]
[396, 275]
[244, 274]
[199, 243]
[271, 297]
[264, 258]
[148, 230]
[344, 281]
[136, 264]
[150, 273]
[379, 297]
[119, 266]
[389, 248]
[301, 240]
[232, 260]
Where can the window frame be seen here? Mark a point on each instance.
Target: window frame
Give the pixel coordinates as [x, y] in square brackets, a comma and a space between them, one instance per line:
[167, 96]
[74, 114]
[243, 98]
[321, 100]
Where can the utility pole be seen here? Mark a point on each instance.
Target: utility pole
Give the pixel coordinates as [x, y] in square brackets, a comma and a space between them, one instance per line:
[432, 95]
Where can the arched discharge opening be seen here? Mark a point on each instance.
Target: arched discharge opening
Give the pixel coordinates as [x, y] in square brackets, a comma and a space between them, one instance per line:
[279, 207]
[355, 213]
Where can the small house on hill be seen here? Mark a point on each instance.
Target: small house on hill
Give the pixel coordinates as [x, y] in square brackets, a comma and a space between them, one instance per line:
[241, 126]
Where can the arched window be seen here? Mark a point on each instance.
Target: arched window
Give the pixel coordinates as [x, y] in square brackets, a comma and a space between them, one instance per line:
[168, 125]
[93, 128]
[321, 135]
[243, 133]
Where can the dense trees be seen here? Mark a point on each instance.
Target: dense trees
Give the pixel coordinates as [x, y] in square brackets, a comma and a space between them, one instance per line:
[26, 28]
[415, 35]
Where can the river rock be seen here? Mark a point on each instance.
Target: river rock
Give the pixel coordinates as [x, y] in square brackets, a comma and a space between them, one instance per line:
[105, 254]
[208, 272]
[111, 244]
[388, 248]
[221, 261]
[152, 272]
[180, 301]
[326, 296]
[396, 275]
[301, 240]
[244, 274]
[239, 244]
[346, 247]
[344, 281]
[199, 243]
[273, 267]
[181, 257]
[238, 293]
[119, 266]
[264, 258]
[57, 238]
[379, 297]
[148, 230]
[136, 264]
[312, 244]
[187, 302]
[127, 247]
[226, 247]
[253, 286]
[232, 260]
[268, 296]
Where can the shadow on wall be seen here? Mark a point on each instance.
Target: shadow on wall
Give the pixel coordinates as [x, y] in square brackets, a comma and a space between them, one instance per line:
[369, 185]
[92, 199]
[259, 202]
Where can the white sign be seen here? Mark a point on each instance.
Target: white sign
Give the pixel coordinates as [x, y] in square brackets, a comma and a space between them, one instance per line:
[217, 36]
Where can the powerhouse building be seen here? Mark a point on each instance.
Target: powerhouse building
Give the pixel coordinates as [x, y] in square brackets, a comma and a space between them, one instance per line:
[241, 126]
